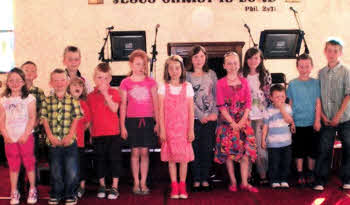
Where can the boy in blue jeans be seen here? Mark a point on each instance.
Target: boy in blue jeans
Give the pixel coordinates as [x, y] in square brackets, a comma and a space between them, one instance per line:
[335, 96]
[60, 113]
[304, 97]
[276, 137]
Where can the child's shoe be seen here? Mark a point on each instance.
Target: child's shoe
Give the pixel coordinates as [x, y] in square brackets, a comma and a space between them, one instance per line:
[113, 193]
[182, 190]
[15, 196]
[301, 179]
[249, 188]
[71, 201]
[101, 192]
[310, 178]
[284, 185]
[174, 194]
[32, 196]
[275, 185]
[232, 188]
[53, 201]
[318, 187]
[80, 192]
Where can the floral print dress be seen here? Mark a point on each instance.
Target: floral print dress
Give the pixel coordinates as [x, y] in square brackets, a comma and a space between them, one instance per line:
[232, 144]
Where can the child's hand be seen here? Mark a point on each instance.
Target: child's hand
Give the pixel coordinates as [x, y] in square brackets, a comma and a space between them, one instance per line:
[335, 120]
[156, 129]
[54, 141]
[162, 136]
[103, 88]
[279, 105]
[66, 141]
[190, 136]
[263, 144]
[8, 140]
[23, 139]
[212, 117]
[204, 120]
[292, 128]
[317, 126]
[242, 124]
[234, 126]
[325, 120]
[124, 133]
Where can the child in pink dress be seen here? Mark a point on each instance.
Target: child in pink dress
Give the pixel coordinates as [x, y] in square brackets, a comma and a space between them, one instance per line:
[176, 123]
[235, 140]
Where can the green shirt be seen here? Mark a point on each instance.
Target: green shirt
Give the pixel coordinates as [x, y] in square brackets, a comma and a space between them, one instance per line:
[60, 113]
[335, 85]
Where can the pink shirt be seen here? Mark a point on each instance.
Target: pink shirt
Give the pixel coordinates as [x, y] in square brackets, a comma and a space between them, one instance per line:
[229, 96]
[139, 96]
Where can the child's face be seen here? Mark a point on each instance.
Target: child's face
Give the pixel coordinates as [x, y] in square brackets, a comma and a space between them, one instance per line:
[198, 60]
[59, 82]
[138, 66]
[72, 60]
[254, 61]
[175, 70]
[278, 97]
[231, 64]
[30, 72]
[332, 52]
[15, 82]
[102, 79]
[76, 90]
[304, 67]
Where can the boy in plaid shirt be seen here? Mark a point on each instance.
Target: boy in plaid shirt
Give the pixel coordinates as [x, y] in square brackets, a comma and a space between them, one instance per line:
[60, 113]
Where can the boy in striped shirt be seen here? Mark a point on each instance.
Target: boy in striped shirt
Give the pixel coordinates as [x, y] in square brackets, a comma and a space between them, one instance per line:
[277, 137]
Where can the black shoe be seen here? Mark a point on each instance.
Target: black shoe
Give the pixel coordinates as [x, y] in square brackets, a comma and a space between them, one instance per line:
[196, 188]
[207, 188]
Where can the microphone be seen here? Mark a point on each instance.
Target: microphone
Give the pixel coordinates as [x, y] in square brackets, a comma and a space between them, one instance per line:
[291, 8]
[247, 27]
[110, 28]
[157, 26]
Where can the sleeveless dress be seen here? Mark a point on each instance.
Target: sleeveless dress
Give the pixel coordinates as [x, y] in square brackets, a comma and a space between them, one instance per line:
[176, 148]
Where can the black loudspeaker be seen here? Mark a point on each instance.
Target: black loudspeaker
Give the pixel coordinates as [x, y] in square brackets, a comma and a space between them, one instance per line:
[280, 44]
[125, 42]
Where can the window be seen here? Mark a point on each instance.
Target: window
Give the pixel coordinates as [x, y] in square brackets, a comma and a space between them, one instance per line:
[7, 61]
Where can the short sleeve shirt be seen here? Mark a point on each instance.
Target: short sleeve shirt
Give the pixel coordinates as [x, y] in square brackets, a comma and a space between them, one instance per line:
[139, 96]
[60, 113]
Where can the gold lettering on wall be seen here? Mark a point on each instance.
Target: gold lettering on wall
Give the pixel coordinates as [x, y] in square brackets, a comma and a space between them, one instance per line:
[95, 1]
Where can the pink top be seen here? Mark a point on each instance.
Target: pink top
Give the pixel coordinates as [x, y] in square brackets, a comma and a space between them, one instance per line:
[225, 94]
[139, 96]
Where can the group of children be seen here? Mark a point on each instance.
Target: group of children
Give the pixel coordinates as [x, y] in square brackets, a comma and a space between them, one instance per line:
[249, 117]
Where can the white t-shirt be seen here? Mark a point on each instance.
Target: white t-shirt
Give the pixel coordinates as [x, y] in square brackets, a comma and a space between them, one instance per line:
[258, 98]
[175, 90]
[16, 110]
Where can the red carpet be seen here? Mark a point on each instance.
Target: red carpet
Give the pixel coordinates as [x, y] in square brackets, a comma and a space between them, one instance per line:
[220, 196]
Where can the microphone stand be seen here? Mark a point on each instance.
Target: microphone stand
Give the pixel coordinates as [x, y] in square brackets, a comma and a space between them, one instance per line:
[250, 36]
[101, 54]
[154, 52]
[302, 33]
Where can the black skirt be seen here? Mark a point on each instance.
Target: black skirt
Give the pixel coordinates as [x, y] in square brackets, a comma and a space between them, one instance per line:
[141, 132]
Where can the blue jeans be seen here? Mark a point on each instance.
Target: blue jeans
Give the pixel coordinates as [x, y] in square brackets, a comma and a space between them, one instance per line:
[64, 169]
[279, 163]
[324, 159]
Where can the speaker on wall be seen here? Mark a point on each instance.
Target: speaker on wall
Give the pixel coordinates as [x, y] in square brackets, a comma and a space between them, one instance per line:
[125, 42]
